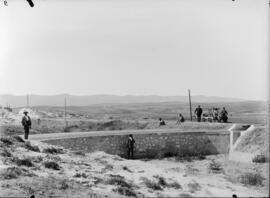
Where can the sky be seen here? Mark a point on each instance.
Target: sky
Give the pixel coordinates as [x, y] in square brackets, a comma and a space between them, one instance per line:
[137, 47]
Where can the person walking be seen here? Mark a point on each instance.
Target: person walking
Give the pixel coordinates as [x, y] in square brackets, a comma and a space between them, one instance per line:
[198, 113]
[26, 122]
[130, 146]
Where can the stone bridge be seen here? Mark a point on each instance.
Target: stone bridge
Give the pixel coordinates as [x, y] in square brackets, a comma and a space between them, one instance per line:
[149, 143]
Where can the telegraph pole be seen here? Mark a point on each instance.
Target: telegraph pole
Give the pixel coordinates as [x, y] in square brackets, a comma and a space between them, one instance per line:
[190, 110]
[27, 101]
[65, 111]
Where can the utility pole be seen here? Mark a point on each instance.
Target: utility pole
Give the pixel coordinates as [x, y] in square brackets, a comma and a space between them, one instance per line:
[27, 101]
[190, 110]
[65, 112]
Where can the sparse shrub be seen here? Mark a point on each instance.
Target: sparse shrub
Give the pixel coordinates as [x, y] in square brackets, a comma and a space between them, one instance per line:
[15, 172]
[37, 159]
[118, 180]
[23, 162]
[11, 173]
[251, 179]
[79, 153]
[194, 186]
[161, 180]
[97, 180]
[5, 153]
[53, 150]
[174, 185]
[80, 175]
[125, 191]
[259, 159]
[31, 147]
[6, 140]
[215, 166]
[18, 138]
[51, 165]
[64, 185]
[151, 184]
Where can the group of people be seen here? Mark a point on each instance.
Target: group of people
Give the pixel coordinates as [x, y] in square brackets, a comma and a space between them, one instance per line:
[216, 115]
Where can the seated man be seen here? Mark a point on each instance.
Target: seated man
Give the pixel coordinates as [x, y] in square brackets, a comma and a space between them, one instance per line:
[161, 122]
[180, 119]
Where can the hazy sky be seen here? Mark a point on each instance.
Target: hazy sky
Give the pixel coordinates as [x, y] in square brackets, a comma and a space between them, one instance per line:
[164, 47]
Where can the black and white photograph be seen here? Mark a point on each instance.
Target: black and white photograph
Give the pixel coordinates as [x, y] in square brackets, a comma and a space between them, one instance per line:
[134, 98]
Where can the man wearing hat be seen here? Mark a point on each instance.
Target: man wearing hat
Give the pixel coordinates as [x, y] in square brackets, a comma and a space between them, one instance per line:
[26, 122]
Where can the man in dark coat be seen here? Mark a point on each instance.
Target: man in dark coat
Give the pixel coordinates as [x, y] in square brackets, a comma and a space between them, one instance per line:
[198, 112]
[224, 115]
[26, 122]
[130, 146]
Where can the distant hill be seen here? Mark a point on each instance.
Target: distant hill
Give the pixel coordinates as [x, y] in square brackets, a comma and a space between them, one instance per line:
[72, 100]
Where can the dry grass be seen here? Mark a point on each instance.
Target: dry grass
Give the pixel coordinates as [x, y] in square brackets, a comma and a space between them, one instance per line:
[5, 152]
[215, 167]
[253, 179]
[52, 165]
[53, 150]
[24, 162]
[151, 184]
[7, 140]
[31, 147]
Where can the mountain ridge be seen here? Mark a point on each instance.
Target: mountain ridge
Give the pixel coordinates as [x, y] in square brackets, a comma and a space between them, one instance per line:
[86, 100]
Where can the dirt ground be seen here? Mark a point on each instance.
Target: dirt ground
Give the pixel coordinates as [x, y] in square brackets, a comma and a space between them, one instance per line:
[99, 174]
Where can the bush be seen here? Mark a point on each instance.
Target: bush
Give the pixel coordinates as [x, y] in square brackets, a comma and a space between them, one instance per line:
[79, 153]
[53, 150]
[15, 172]
[31, 147]
[23, 162]
[214, 166]
[6, 140]
[80, 175]
[251, 179]
[125, 191]
[63, 185]
[259, 159]
[5, 153]
[11, 173]
[118, 180]
[151, 184]
[18, 138]
[175, 185]
[161, 181]
[51, 165]
[194, 186]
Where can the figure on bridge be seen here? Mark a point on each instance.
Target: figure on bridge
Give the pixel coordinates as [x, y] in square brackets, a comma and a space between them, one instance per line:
[198, 113]
[130, 146]
[161, 122]
[26, 122]
[180, 119]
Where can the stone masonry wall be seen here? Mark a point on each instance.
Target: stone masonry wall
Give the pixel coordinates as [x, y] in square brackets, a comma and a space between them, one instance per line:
[152, 145]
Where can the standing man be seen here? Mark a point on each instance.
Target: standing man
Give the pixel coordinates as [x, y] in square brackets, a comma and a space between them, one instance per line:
[130, 146]
[26, 122]
[198, 112]
[224, 115]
